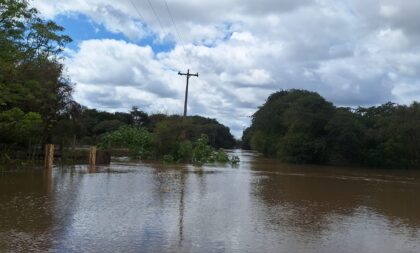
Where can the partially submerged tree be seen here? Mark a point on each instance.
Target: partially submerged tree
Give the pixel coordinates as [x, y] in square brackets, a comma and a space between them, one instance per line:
[301, 127]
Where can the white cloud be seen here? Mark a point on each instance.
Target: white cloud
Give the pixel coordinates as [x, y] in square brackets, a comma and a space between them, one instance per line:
[358, 52]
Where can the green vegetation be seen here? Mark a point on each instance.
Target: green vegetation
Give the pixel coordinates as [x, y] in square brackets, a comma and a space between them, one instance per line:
[137, 140]
[36, 106]
[299, 126]
[33, 89]
[142, 144]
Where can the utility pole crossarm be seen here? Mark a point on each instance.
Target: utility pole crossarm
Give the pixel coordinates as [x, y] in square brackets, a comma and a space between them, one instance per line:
[188, 74]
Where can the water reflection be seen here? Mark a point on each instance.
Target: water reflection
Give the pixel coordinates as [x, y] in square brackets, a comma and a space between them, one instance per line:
[260, 206]
[181, 209]
[322, 209]
[25, 209]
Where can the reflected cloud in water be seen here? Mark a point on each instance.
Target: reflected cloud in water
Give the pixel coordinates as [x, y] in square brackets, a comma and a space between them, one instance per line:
[259, 206]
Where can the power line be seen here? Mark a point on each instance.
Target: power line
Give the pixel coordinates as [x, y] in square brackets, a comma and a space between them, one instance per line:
[177, 33]
[156, 16]
[174, 25]
[138, 12]
[172, 20]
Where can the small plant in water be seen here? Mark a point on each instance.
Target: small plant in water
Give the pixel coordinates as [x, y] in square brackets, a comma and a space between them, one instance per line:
[168, 159]
[234, 160]
[220, 156]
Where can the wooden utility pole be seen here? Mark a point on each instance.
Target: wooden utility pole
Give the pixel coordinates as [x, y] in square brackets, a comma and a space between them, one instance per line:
[186, 89]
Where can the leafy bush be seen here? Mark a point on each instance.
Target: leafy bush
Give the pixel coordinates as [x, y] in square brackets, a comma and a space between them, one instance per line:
[203, 153]
[168, 159]
[185, 151]
[19, 127]
[137, 140]
[142, 144]
[220, 156]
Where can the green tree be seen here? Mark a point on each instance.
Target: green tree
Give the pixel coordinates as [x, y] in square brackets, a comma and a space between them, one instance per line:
[346, 137]
[138, 141]
[31, 75]
[291, 126]
[19, 129]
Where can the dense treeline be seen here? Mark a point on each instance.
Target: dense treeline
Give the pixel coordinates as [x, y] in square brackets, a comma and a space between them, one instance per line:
[299, 126]
[36, 105]
[86, 126]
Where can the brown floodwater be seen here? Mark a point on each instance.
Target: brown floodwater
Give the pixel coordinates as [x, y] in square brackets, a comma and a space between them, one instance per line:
[259, 206]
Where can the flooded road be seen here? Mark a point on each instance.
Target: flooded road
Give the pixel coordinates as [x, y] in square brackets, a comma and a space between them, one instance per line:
[259, 206]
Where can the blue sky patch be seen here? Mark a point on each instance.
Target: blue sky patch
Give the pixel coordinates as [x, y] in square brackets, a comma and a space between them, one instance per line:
[80, 28]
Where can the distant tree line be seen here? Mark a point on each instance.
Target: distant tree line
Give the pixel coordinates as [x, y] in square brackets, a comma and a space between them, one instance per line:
[36, 105]
[80, 125]
[299, 126]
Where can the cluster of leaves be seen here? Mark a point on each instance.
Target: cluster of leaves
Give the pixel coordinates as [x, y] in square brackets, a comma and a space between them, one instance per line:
[198, 152]
[184, 140]
[145, 145]
[203, 153]
[302, 127]
[33, 89]
[85, 126]
[18, 129]
[137, 140]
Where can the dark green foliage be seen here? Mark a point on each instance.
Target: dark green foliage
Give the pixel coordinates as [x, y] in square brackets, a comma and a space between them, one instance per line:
[185, 141]
[17, 127]
[291, 127]
[172, 135]
[301, 127]
[185, 151]
[393, 135]
[107, 126]
[246, 138]
[169, 134]
[202, 152]
[168, 159]
[218, 134]
[220, 156]
[346, 135]
[31, 75]
[192, 128]
[137, 140]
[145, 145]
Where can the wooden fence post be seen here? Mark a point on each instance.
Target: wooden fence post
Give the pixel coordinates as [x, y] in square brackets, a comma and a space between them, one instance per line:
[49, 156]
[92, 157]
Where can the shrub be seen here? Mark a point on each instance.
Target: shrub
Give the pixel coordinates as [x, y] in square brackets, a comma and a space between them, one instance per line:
[202, 152]
[220, 156]
[137, 140]
[168, 159]
[185, 151]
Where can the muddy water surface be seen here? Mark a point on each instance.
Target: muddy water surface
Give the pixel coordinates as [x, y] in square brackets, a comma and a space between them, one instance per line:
[259, 206]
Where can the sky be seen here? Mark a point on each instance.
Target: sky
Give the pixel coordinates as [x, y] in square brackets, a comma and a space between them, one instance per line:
[128, 53]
